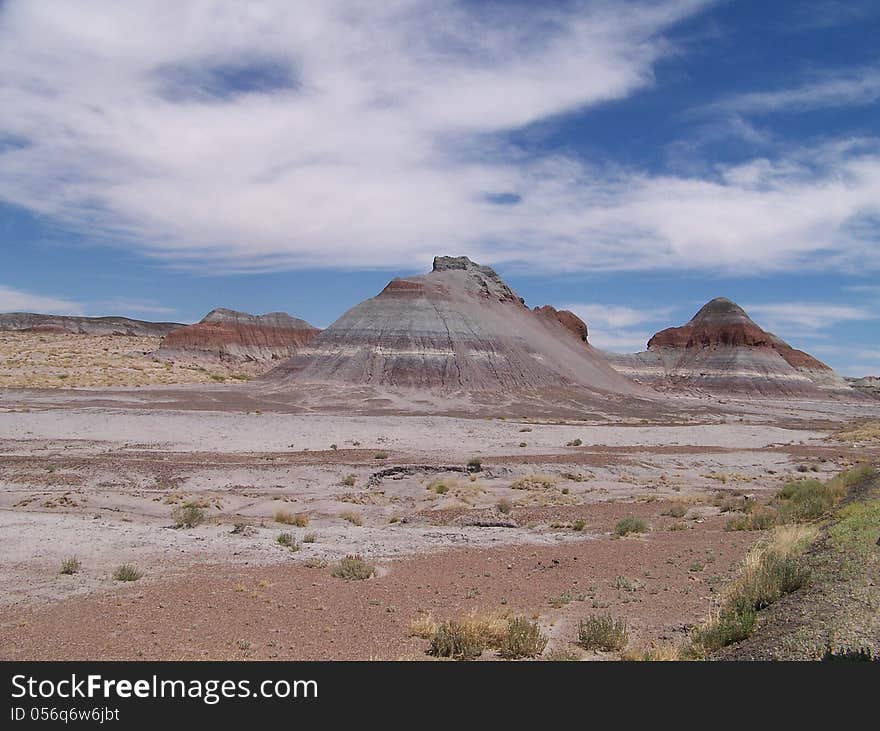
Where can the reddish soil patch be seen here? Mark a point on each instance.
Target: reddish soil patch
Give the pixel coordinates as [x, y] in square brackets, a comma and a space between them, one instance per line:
[294, 612]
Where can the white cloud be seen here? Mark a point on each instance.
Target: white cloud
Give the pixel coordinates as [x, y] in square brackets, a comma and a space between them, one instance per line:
[612, 327]
[368, 134]
[14, 300]
[812, 317]
[849, 87]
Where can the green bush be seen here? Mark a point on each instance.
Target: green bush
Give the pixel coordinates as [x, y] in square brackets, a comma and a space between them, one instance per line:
[630, 525]
[353, 568]
[523, 639]
[730, 627]
[603, 632]
[457, 640]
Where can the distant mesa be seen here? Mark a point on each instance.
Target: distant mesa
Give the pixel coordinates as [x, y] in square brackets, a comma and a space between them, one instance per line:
[69, 324]
[723, 350]
[231, 337]
[458, 328]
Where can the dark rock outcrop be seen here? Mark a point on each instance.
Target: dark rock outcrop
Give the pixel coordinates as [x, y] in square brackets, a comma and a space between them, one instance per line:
[238, 337]
[460, 327]
[32, 322]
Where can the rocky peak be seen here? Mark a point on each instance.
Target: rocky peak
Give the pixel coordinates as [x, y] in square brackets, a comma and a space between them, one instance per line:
[488, 280]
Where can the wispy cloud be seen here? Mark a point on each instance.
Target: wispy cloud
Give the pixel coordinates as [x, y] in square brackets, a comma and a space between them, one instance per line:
[232, 136]
[613, 327]
[807, 317]
[15, 300]
[847, 87]
[129, 306]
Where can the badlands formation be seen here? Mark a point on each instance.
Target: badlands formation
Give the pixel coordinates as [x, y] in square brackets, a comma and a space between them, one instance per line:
[238, 338]
[480, 459]
[721, 350]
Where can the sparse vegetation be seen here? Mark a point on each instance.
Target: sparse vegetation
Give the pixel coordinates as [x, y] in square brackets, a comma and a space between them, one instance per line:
[677, 510]
[523, 639]
[70, 565]
[188, 515]
[352, 517]
[603, 632]
[300, 520]
[579, 524]
[574, 443]
[504, 506]
[310, 537]
[629, 525]
[127, 572]
[533, 482]
[287, 541]
[442, 485]
[456, 640]
[381, 455]
[353, 568]
[475, 464]
[349, 480]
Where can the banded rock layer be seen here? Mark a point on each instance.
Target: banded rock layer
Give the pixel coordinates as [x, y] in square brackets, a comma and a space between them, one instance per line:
[723, 350]
[459, 327]
[239, 338]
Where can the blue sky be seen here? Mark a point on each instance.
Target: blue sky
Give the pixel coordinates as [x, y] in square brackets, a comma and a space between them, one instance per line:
[626, 160]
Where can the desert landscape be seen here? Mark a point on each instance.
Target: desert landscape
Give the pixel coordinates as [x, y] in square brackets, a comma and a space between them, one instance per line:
[443, 472]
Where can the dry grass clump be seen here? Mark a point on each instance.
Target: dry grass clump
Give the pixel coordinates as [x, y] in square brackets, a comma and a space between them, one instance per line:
[353, 568]
[468, 637]
[70, 565]
[654, 653]
[127, 572]
[504, 506]
[534, 482]
[603, 632]
[349, 480]
[352, 517]
[300, 520]
[868, 431]
[678, 509]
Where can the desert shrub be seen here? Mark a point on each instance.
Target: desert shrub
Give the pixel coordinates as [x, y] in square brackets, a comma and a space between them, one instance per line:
[579, 524]
[804, 500]
[475, 464]
[523, 639]
[533, 482]
[380, 455]
[677, 510]
[441, 486]
[70, 565]
[727, 628]
[562, 654]
[127, 572]
[310, 537]
[352, 517]
[773, 577]
[187, 515]
[456, 640]
[758, 519]
[349, 480]
[574, 443]
[603, 632]
[504, 506]
[353, 567]
[630, 525]
[288, 541]
[300, 520]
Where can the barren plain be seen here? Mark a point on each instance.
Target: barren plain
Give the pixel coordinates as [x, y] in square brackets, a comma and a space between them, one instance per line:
[458, 514]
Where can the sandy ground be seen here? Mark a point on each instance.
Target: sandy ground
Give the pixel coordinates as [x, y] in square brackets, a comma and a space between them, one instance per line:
[55, 360]
[102, 483]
